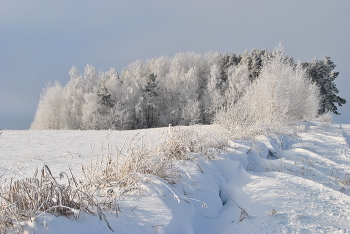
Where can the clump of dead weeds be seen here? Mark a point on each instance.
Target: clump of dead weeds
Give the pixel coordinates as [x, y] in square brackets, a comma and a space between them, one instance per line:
[27, 199]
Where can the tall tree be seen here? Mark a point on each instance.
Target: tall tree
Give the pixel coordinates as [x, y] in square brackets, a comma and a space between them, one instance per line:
[214, 97]
[149, 95]
[52, 109]
[238, 81]
[189, 97]
[321, 72]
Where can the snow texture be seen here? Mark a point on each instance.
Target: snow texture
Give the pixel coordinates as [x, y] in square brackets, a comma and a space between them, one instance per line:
[287, 184]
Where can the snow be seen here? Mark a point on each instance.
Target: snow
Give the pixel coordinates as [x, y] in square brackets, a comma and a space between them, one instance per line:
[296, 183]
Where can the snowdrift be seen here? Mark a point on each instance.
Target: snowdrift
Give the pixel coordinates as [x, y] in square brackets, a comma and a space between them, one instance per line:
[296, 183]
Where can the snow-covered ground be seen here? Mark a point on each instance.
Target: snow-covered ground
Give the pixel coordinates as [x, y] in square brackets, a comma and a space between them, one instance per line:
[286, 184]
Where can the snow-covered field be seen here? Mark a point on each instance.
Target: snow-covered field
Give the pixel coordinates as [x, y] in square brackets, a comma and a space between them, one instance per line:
[286, 184]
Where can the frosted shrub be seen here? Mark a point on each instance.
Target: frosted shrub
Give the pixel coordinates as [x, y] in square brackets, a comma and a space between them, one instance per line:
[326, 117]
[282, 95]
[52, 111]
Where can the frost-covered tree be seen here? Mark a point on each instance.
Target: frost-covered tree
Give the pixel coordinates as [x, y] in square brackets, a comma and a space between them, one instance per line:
[112, 82]
[121, 117]
[189, 97]
[191, 113]
[321, 72]
[150, 93]
[74, 92]
[104, 111]
[214, 97]
[227, 61]
[131, 87]
[254, 61]
[183, 83]
[105, 98]
[282, 94]
[52, 109]
[91, 78]
[237, 83]
[90, 115]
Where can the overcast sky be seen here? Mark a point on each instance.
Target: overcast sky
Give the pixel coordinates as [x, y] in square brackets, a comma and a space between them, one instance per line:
[40, 40]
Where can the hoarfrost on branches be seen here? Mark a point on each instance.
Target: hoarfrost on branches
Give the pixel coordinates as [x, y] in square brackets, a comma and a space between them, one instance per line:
[253, 87]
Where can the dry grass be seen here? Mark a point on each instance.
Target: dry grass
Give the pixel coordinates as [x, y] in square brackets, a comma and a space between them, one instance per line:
[135, 161]
[105, 179]
[29, 198]
[180, 141]
[129, 165]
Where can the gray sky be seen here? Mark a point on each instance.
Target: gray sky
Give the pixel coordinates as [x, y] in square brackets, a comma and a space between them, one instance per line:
[41, 40]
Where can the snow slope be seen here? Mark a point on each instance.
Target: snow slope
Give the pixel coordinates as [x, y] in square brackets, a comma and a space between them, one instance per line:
[296, 183]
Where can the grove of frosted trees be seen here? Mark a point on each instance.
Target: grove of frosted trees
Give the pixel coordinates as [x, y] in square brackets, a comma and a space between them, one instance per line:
[254, 87]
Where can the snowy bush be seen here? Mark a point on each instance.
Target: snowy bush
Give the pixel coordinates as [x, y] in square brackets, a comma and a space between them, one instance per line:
[281, 95]
[326, 117]
[52, 109]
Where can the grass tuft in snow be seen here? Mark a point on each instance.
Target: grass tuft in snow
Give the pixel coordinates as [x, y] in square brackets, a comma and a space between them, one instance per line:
[130, 165]
[29, 198]
[180, 141]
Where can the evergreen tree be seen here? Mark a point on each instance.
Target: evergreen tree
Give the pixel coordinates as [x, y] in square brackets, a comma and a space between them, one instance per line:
[254, 61]
[321, 72]
[105, 97]
[149, 94]
[226, 61]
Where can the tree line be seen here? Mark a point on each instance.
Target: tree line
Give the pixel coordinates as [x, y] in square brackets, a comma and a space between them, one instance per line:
[187, 89]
